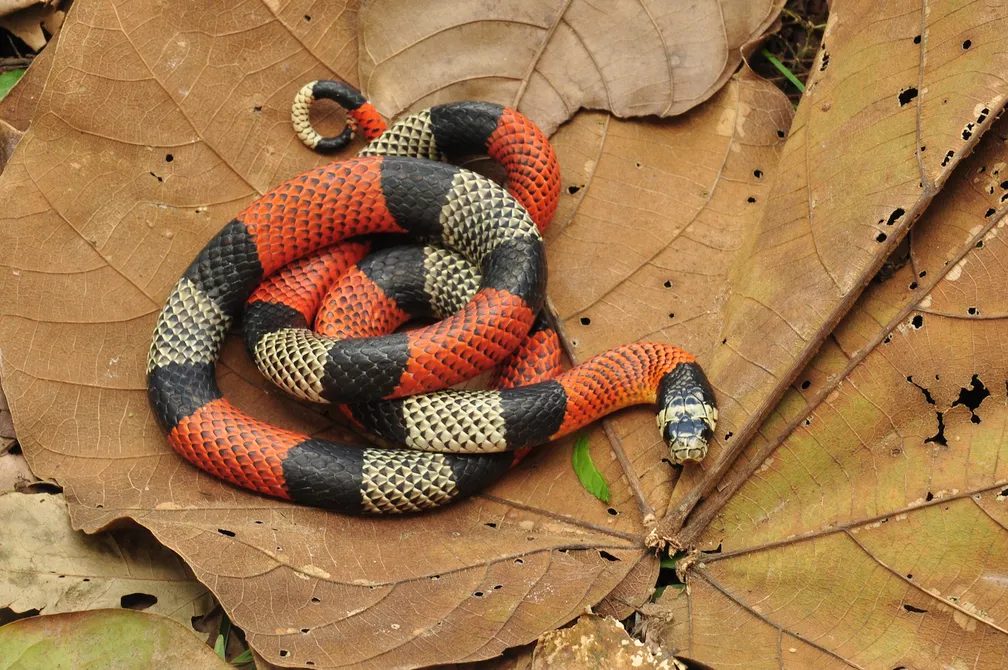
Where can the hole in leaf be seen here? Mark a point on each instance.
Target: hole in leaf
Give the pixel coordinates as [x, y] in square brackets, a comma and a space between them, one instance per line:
[916, 610]
[315, 600]
[906, 95]
[612, 511]
[169, 158]
[927, 393]
[305, 630]
[573, 189]
[585, 321]
[518, 561]
[929, 497]
[780, 134]
[224, 531]
[478, 594]
[284, 652]
[971, 311]
[758, 173]
[989, 213]
[498, 587]
[137, 601]
[917, 321]
[948, 156]
[881, 237]
[257, 109]
[917, 39]
[967, 44]
[913, 286]
[939, 436]
[895, 216]
[972, 397]
[668, 283]
[671, 315]
[607, 556]
[805, 384]
[490, 524]
[751, 199]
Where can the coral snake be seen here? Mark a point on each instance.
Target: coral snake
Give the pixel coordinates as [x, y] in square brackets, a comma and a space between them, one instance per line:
[482, 273]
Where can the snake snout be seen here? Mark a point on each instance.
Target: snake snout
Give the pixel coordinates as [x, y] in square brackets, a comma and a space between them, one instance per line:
[687, 413]
[688, 434]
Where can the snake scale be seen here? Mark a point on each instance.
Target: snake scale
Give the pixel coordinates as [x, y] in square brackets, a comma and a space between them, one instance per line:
[482, 273]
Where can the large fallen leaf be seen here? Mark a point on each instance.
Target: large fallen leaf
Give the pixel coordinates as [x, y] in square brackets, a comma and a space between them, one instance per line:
[874, 532]
[94, 241]
[654, 217]
[7, 437]
[9, 138]
[901, 93]
[53, 568]
[549, 59]
[106, 639]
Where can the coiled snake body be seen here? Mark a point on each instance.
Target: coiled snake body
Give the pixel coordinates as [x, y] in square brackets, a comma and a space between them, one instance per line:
[492, 292]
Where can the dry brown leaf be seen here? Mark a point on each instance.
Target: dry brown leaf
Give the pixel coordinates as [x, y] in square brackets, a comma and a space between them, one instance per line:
[598, 642]
[874, 531]
[885, 119]
[53, 568]
[27, 23]
[11, 6]
[96, 239]
[653, 218]
[7, 437]
[550, 59]
[9, 138]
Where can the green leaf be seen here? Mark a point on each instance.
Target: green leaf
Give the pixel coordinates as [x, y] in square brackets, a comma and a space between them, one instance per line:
[220, 646]
[783, 69]
[589, 476]
[112, 638]
[8, 79]
[243, 658]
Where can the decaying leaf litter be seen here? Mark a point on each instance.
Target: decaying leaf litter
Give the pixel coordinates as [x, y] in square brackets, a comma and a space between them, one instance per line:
[594, 195]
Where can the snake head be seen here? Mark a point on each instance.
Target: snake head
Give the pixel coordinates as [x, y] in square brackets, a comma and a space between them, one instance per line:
[687, 412]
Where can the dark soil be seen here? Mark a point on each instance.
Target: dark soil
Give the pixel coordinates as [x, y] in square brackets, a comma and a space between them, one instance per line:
[795, 45]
